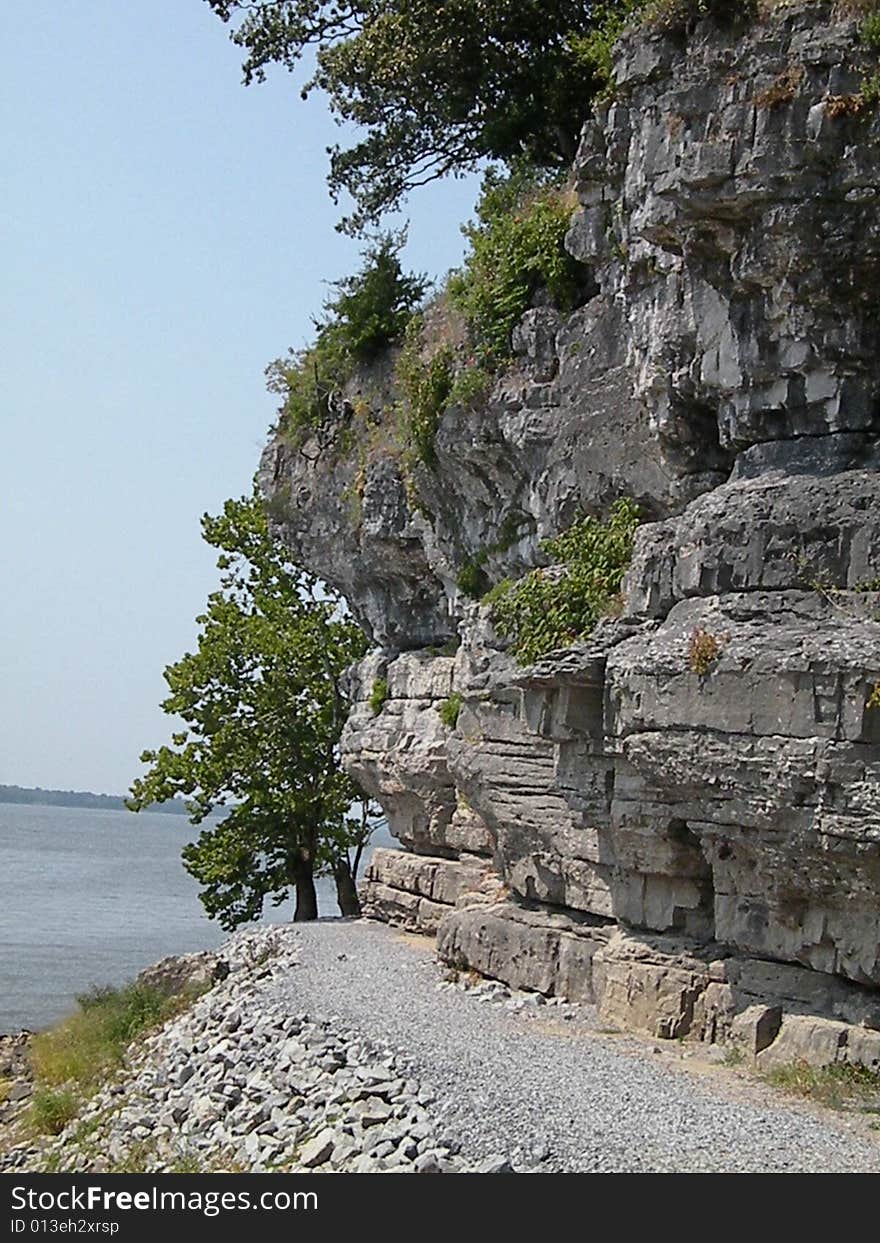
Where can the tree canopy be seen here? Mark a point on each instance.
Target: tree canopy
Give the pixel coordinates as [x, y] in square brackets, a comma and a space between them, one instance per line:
[433, 87]
[263, 711]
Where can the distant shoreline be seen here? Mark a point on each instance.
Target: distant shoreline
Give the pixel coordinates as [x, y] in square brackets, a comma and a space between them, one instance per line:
[38, 797]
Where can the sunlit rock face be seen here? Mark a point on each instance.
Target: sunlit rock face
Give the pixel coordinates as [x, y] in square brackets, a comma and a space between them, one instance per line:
[692, 840]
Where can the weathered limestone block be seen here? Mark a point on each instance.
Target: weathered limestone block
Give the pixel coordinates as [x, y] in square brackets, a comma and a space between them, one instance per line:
[799, 990]
[399, 754]
[707, 177]
[442, 880]
[768, 757]
[547, 953]
[181, 973]
[756, 1028]
[780, 532]
[397, 906]
[644, 987]
[816, 1041]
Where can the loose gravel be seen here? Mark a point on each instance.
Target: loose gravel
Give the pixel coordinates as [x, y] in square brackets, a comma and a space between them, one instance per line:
[542, 1085]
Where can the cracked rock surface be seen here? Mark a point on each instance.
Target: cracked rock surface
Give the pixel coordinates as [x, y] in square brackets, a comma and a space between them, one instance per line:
[674, 833]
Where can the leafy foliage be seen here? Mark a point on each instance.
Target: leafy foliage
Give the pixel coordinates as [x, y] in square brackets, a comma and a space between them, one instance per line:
[368, 312]
[371, 309]
[262, 707]
[552, 608]
[450, 709]
[470, 577]
[83, 1049]
[595, 47]
[426, 386]
[874, 697]
[869, 31]
[516, 249]
[51, 1109]
[433, 88]
[379, 695]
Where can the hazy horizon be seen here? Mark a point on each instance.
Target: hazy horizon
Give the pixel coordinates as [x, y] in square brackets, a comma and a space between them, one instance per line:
[167, 232]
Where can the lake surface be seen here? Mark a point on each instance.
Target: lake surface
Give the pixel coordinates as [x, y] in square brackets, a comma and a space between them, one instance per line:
[92, 897]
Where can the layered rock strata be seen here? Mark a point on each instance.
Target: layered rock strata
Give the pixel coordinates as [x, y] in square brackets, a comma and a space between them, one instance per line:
[678, 818]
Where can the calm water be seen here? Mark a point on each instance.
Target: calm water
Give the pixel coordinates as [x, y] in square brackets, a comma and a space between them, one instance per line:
[92, 897]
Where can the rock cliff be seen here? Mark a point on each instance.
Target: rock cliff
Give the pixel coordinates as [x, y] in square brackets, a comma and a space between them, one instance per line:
[689, 839]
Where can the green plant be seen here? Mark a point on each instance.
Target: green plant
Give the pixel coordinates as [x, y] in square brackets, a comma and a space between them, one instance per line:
[51, 1109]
[262, 705]
[553, 608]
[450, 708]
[869, 31]
[870, 90]
[371, 309]
[841, 1085]
[703, 650]
[516, 249]
[426, 386]
[427, 89]
[470, 577]
[677, 15]
[874, 697]
[378, 695]
[368, 312]
[595, 49]
[84, 1048]
[470, 386]
[498, 592]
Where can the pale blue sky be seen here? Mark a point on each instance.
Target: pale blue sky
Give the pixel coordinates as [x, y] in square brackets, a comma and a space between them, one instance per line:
[165, 233]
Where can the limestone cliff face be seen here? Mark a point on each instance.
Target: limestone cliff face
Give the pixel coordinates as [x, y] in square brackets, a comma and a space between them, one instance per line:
[696, 850]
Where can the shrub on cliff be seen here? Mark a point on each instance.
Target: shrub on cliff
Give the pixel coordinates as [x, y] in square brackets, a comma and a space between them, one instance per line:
[517, 249]
[263, 710]
[517, 253]
[367, 313]
[553, 608]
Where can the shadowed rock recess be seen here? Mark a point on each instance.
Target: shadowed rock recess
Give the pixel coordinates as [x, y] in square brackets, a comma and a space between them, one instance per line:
[696, 850]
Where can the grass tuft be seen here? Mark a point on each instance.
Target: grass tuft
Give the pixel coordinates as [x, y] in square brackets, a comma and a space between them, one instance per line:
[73, 1058]
[839, 1086]
[52, 1108]
[91, 1043]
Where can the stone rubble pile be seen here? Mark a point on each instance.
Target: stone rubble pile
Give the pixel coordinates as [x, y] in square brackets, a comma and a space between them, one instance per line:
[240, 1083]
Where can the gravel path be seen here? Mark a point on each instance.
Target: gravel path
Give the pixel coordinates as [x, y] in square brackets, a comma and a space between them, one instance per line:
[556, 1094]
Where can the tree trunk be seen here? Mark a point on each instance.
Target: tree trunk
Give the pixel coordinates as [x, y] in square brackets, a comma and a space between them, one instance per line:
[306, 897]
[346, 890]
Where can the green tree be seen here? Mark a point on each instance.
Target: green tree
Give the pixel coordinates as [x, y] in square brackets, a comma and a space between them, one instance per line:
[434, 87]
[263, 710]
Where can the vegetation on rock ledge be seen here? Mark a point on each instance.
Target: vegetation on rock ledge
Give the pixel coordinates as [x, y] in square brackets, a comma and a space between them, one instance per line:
[554, 607]
[450, 709]
[369, 312]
